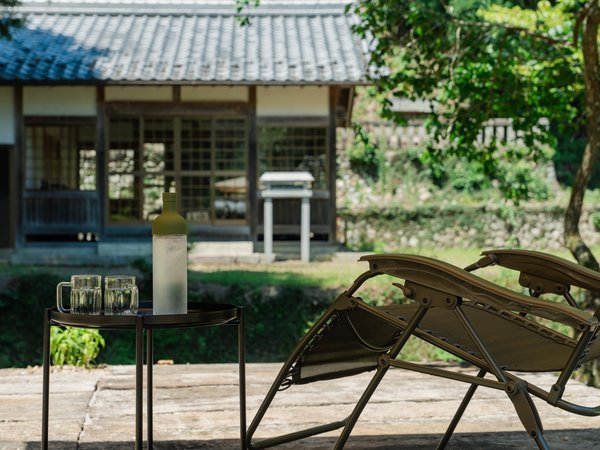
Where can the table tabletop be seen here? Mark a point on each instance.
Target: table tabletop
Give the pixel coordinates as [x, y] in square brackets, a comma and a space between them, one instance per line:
[199, 314]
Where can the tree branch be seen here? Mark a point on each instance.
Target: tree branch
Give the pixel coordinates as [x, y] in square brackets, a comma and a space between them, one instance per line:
[579, 20]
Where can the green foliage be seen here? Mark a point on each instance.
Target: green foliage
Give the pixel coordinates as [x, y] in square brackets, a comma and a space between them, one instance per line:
[364, 157]
[567, 158]
[144, 281]
[275, 319]
[22, 304]
[596, 220]
[75, 346]
[518, 179]
[240, 7]
[7, 20]
[476, 61]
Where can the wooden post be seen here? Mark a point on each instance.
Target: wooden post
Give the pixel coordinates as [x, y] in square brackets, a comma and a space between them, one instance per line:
[331, 153]
[101, 161]
[19, 167]
[252, 198]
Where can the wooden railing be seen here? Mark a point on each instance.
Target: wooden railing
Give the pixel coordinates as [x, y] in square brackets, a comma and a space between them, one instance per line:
[61, 211]
[391, 136]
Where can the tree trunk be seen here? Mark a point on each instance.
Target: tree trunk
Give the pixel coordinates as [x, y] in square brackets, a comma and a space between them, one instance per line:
[572, 236]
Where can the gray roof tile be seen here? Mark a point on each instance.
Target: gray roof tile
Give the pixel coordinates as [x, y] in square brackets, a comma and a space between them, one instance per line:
[153, 41]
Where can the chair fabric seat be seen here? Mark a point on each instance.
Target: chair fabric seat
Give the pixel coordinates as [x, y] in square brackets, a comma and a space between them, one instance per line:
[516, 344]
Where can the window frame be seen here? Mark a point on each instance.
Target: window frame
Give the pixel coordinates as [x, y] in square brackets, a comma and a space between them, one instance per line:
[299, 122]
[72, 122]
[177, 173]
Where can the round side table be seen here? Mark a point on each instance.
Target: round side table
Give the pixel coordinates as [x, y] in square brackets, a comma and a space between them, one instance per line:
[199, 315]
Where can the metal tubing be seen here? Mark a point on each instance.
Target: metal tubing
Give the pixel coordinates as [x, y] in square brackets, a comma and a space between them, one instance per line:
[570, 300]
[379, 374]
[290, 437]
[556, 394]
[480, 381]
[459, 412]
[242, 375]
[46, 382]
[466, 323]
[139, 356]
[394, 321]
[149, 381]
[283, 373]
[540, 440]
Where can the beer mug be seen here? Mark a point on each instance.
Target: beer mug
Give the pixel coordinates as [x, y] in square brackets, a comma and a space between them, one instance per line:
[120, 295]
[86, 294]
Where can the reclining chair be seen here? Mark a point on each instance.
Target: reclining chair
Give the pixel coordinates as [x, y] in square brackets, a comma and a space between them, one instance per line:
[493, 328]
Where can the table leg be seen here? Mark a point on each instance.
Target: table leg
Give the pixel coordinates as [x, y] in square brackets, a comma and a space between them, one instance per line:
[149, 364]
[46, 380]
[139, 357]
[242, 375]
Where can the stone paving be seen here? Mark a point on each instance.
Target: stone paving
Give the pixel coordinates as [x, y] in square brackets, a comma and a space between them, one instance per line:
[196, 407]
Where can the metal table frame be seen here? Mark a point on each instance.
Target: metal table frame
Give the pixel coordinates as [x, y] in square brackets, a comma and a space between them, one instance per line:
[199, 315]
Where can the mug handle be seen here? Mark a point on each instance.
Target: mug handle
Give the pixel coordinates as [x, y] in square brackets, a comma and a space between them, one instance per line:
[59, 296]
[135, 303]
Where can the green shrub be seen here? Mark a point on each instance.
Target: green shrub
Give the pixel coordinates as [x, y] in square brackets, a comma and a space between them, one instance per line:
[22, 304]
[275, 319]
[75, 346]
[365, 158]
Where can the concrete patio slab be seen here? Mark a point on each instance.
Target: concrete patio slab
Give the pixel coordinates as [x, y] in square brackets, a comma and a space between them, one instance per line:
[196, 407]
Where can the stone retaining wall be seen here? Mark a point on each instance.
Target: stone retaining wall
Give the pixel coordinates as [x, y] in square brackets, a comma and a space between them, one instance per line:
[388, 231]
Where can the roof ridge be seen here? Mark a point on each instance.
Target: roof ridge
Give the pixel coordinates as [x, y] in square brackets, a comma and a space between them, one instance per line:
[224, 7]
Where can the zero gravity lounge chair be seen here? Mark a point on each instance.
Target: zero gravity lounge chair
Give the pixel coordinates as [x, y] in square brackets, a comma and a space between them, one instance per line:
[493, 328]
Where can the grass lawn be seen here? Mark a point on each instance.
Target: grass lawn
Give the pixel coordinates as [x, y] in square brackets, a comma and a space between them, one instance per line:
[340, 272]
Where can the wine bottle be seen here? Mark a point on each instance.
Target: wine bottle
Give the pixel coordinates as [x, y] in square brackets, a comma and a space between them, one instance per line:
[169, 259]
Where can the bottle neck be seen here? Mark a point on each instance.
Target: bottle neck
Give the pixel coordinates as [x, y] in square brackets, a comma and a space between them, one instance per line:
[169, 205]
[169, 202]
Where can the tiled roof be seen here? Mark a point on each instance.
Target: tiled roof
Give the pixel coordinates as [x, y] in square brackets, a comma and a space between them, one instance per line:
[145, 41]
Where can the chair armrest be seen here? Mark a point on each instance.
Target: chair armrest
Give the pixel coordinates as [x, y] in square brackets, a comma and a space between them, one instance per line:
[455, 281]
[546, 266]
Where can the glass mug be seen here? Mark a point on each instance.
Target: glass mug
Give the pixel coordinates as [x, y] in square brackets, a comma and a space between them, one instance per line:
[120, 295]
[86, 294]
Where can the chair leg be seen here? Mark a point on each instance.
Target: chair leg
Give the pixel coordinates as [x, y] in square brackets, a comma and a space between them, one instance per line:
[283, 373]
[381, 371]
[459, 412]
[527, 412]
[358, 409]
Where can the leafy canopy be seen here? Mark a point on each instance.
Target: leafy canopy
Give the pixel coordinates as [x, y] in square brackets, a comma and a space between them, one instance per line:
[475, 61]
[7, 19]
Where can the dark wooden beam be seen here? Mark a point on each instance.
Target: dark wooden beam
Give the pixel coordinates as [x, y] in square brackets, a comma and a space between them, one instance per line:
[59, 120]
[172, 109]
[19, 167]
[331, 166]
[177, 94]
[252, 163]
[293, 121]
[101, 160]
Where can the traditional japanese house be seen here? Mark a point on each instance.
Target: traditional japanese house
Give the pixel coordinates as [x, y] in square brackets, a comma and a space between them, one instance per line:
[104, 105]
